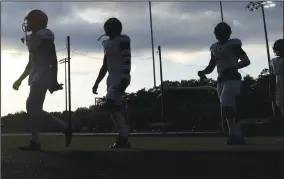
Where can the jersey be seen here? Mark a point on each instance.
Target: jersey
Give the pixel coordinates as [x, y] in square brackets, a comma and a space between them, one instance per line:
[226, 59]
[118, 56]
[40, 62]
[277, 65]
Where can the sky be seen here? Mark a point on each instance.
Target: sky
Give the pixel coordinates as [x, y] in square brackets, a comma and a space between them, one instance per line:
[184, 30]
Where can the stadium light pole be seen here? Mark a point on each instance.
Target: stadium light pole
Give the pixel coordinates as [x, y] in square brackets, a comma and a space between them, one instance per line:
[162, 83]
[69, 84]
[152, 43]
[221, 9]
[254, 6]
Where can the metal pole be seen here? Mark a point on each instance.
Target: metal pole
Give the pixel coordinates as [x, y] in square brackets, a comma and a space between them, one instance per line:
[162, 86]
[66, 92]
[69, 82]
[152, 42]
[266, 37]
[221, 8]
[283, 17]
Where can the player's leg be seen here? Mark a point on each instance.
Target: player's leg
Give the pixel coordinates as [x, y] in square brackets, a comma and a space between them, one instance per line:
[223, 123]
[65, 128]
[230, 91]
[36, 113]
[114, 102]
[34, 105]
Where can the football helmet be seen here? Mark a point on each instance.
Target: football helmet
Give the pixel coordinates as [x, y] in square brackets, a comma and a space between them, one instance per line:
[112, 27]
[35, 20]
[278, 47]
[222, 31]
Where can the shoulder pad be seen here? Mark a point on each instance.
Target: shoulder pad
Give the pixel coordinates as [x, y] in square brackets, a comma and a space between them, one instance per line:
[235, 42]
[45, 34]
[104, 43]
[272, 62]
[125, 37]
[274, 59]
[212, 47]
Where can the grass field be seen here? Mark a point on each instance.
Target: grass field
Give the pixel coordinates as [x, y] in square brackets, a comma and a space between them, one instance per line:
[90, 157]
[145, 143]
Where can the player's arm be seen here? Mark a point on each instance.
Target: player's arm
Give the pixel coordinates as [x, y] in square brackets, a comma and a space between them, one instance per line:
[126, 58]
[241, 54]
[272, 84]
[102, 72]
[126, 55]
[26, 73]
[272, 90]
[211, 66]
[27, 70]
[50, 51]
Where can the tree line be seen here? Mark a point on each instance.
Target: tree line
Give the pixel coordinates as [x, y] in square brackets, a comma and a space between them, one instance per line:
[183, 110]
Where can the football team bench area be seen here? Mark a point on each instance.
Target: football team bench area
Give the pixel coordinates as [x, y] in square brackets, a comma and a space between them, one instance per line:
[89, 157]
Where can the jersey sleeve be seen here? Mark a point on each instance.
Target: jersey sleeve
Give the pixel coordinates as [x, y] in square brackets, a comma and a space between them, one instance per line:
[125, 47]
[271, 63]
[105, 43]
[46, 39]
[236, 45]
[212, 49]
[45, 34]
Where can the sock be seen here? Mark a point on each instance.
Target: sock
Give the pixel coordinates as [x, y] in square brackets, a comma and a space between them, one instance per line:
[231, 127]
[120, 124]
[35, 137]
[34, 128]
[238, 130]
[234, 128]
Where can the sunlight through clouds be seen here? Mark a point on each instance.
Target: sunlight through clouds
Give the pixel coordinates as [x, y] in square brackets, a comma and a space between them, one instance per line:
[188, 57]
[92, 15]
[184, 30]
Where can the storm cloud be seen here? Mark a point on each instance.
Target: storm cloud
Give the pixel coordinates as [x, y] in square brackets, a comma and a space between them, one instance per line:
[176, 25]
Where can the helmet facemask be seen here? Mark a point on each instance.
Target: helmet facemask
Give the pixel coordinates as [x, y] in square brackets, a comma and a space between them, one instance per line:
[26, 29]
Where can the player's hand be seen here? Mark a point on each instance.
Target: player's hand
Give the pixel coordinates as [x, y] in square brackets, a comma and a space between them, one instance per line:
[17, 84]
[201, 75]
[95, 88]
[55, 87]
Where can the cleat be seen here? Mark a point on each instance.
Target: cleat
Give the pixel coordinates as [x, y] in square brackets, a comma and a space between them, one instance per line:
[232, 140]
[32, 146]
[68, 137]
[126, 145]
[122, 143]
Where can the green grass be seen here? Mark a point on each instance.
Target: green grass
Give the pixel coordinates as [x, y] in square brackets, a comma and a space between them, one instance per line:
[90, 157]
[84, 143]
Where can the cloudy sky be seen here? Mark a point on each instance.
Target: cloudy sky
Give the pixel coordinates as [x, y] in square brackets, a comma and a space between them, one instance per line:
[183, 29]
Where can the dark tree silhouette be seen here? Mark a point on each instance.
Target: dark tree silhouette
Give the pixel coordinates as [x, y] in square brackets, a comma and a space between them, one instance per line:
[183, 110]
